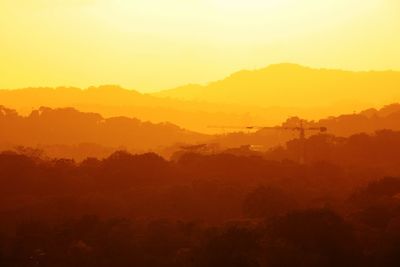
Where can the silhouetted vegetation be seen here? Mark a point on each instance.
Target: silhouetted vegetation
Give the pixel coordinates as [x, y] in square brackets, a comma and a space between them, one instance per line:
[87, 133]
[341, 208]
[69, 133]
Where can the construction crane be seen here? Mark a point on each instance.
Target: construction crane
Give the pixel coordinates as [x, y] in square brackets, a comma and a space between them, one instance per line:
[301, 129]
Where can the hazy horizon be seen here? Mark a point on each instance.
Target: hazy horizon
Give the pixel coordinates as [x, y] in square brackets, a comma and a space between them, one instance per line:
[204, 83]
[153, 45]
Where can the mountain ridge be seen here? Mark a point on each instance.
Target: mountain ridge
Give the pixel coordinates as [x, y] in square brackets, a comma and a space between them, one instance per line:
[260, 97]
[284, 84]
[69, 126]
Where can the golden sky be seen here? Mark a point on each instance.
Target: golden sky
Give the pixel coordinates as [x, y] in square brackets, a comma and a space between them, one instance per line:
[156, 44]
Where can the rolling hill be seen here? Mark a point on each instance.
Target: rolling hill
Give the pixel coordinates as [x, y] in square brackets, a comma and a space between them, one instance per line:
[261, 97]
[114, 101]
[68, 126]
[291, 85]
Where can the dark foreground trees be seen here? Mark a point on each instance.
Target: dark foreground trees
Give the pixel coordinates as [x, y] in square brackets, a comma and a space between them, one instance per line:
[200, 211]
[303, 238]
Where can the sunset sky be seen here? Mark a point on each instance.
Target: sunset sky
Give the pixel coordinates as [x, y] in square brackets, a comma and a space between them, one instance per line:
[157, 44]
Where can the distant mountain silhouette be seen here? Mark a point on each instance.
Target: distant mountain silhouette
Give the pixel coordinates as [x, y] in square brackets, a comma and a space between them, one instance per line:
[291, 85]
[110, 94]
[260, 97]
[67, 126]
[112, 101]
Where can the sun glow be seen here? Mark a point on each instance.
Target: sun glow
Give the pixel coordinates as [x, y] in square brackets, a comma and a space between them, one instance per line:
[86, 42]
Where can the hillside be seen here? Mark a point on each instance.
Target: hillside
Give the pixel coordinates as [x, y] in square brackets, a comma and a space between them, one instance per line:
[284, 84]
[67, 126]
[111, 101]
[67, 132]
[114, 101]
[367, 121]
[260, 97]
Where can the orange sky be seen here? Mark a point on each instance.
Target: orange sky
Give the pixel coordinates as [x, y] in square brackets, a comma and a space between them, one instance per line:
[157, 44]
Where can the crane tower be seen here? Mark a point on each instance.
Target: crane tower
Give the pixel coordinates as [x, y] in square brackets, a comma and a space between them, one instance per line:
[301, 129]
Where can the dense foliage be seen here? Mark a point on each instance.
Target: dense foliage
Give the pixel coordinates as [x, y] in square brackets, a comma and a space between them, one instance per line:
[341, 208]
